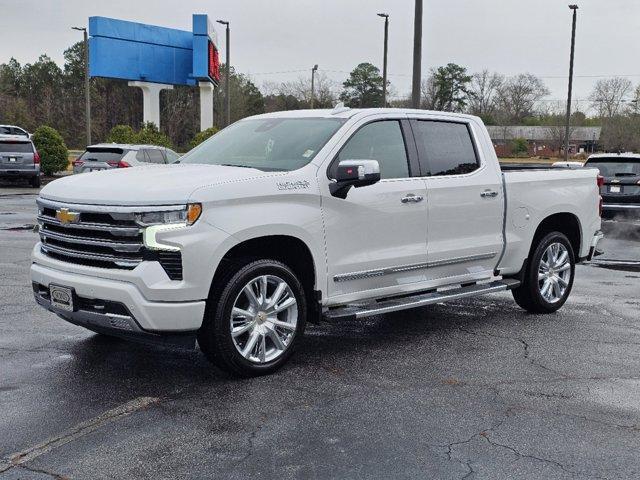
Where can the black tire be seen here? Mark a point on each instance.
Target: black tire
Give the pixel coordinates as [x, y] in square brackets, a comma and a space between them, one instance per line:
[528, 294]
[215, 337]
[35, 181]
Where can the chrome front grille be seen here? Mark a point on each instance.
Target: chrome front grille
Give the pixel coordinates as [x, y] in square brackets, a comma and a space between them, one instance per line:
[99, 236]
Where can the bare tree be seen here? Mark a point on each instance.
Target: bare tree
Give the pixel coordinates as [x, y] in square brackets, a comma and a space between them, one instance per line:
[428, 92]
[608, 96]
[517, 96]
[483, 92]
[634, 103]
[325, 90]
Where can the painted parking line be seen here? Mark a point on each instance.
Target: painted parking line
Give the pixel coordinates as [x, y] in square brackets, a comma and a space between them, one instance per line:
[77, 431]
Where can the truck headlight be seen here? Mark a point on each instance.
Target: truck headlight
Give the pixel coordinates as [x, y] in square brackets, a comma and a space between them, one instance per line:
[184, 216]
[164, 221]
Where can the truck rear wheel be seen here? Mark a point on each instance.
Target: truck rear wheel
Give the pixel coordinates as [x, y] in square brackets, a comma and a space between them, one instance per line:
[255, 316]
[548, 277]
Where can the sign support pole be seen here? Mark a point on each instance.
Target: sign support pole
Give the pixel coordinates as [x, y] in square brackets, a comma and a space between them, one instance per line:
[151, 100]
[206, 105]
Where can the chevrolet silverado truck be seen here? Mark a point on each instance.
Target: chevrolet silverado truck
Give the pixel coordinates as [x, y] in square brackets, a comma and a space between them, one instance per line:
[294, 217]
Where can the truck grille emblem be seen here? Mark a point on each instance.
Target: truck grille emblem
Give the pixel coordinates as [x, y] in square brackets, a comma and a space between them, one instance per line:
[65, 217]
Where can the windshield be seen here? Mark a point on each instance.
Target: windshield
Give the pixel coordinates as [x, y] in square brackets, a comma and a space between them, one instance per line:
[609, 167]
[270, 144]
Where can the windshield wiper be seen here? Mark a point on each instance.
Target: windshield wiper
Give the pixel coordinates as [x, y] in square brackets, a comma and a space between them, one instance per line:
[232, 165]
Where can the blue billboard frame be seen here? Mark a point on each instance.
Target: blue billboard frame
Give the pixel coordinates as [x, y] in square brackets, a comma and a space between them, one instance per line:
[140, 52]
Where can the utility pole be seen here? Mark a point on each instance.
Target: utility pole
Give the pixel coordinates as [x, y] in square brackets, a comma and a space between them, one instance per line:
[573, 45]
[417, 55]
[313, 75]
[87, 91]
[227, 88]
[384, 62]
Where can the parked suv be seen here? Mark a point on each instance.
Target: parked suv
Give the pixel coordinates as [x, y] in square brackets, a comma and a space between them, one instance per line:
[621, 189]
[19, 159]
[106, 156]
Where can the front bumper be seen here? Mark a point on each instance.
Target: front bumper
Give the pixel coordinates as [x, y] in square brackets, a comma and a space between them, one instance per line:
[143, 316]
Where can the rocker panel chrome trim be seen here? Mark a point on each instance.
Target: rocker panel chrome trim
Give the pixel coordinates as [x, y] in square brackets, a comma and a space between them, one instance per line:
[344, 277]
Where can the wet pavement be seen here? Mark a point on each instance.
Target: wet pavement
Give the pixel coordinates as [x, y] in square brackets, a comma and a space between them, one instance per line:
[470, 389]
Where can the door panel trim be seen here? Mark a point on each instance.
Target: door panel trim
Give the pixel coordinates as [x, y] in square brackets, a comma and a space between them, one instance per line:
[344, 277]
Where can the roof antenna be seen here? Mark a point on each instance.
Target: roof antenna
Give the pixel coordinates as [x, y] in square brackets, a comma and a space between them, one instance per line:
[339, 108]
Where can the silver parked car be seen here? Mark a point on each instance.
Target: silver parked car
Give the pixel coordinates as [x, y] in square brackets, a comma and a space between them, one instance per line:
[19, 159]
[105, 156]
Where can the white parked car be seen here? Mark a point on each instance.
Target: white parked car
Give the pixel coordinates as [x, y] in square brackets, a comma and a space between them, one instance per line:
[12, 130]
[290, 217]
[106, 156]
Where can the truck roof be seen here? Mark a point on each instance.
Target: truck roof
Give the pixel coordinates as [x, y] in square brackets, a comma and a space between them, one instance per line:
[346, 112]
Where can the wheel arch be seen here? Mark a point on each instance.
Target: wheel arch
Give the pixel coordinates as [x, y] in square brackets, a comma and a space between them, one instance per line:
[564, 222]
[288, 249]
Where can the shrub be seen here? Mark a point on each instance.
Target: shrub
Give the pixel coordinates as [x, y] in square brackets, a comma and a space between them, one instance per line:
[54, 156]
[150, 135]
[519, 146]
[121, 134]
[202, 136]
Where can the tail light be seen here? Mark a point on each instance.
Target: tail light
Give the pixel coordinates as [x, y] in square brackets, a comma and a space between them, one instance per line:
[120, 164]
[78, 163]
[36, 157]
[600, 180]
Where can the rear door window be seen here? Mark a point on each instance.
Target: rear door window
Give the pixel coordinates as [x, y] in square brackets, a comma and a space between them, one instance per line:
[446, 148]
[155, 155]
[16, 147]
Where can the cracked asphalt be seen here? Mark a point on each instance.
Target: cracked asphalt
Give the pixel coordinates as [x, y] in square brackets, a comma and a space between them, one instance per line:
[475, 389]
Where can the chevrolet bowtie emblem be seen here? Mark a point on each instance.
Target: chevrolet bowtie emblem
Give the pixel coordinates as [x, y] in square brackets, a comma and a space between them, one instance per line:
[65, 217]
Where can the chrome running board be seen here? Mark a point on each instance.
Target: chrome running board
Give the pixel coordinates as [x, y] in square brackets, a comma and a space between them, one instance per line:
[353, 312]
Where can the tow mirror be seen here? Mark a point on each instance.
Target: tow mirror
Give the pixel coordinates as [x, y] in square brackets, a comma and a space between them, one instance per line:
[354, 173]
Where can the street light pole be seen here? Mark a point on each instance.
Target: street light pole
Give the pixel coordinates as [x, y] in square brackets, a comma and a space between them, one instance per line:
[417, 55]
[87, 91]
[313, 74]
[384, 62]
[227, 88]
[568, 120]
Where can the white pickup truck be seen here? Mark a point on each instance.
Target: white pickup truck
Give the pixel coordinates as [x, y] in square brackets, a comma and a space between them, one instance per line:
[291, 217]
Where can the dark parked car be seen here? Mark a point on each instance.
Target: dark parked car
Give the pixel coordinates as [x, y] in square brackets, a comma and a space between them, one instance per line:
[621, 189]
[19, 159]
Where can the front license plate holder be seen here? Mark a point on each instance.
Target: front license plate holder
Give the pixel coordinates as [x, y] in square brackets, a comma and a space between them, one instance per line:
[61, 297]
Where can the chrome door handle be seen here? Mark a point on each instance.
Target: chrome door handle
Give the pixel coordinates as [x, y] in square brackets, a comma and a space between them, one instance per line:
[412, 198]
[489, 193]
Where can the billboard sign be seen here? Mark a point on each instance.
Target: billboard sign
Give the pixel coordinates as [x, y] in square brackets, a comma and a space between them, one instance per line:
[140, 52]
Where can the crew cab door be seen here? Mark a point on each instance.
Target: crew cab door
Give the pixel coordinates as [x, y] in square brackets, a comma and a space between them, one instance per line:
[466, 202]
[376, 231]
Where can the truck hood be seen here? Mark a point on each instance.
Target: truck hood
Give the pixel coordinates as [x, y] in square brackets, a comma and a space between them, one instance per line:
[148, 185]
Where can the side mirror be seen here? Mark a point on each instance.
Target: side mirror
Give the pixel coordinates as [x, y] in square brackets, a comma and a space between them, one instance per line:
[354, 173]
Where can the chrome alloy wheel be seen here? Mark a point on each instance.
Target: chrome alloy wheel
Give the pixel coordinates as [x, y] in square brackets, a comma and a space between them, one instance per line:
[264, 319]
[554, 272]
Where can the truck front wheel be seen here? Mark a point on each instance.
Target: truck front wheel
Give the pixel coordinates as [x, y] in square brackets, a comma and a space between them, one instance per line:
[255, 316]
[548, 277]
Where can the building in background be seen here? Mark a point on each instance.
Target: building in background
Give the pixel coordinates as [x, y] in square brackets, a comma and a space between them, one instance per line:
[544, 141]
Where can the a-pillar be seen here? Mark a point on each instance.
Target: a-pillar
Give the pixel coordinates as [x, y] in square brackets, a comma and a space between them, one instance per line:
[151, 100]
[206, 105]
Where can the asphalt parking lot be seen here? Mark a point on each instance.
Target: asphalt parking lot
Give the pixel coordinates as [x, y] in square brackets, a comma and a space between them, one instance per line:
[472, 389]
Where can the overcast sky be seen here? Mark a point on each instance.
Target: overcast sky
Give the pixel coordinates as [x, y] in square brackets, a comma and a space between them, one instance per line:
[271, 38]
